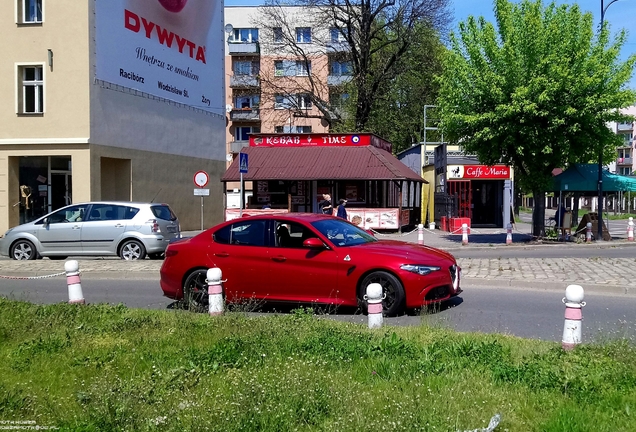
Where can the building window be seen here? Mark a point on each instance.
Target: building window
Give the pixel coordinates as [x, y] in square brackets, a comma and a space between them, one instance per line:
[247, 101]
[303, 34]
[278, 34]
[625, 171]
[303, 68]
[245, 68]
[30, 11]
[31, 97]
[300, 101]
[340, 68]
[292, 68]
[338, 35]
[292, 129]
[246, 35]
[627, 139]
[243, 133]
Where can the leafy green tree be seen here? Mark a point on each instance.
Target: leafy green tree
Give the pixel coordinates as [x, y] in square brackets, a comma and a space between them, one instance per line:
[536, 92]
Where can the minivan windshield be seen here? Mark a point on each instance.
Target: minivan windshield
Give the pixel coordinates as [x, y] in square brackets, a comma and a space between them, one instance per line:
[343, 233]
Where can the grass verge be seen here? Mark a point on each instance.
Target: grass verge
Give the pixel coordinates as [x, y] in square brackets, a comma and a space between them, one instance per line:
[110, 368]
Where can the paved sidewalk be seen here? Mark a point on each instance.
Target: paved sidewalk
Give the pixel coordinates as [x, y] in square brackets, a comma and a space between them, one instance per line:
[596, 275]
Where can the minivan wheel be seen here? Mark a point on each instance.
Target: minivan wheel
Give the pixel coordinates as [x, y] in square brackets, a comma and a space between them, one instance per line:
[23, 250]
[132, 250]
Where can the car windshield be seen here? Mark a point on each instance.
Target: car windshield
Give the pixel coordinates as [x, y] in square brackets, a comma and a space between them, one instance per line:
[342, 233]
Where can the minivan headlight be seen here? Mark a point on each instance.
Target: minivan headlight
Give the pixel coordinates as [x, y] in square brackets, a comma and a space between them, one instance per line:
[420, 269]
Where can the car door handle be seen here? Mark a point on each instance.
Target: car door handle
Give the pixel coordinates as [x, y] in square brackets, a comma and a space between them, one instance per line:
[279, 259]
[118, 225]
[76, 227]
[222, 254]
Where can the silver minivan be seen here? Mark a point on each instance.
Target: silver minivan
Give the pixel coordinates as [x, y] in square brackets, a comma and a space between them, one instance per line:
[128, 229]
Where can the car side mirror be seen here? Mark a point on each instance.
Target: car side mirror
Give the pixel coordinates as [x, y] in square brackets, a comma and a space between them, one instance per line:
[46, 222]
[314, 243]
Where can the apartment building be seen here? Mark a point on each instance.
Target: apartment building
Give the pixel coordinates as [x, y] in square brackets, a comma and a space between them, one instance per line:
[110, 100]
[625, 164]
[280, 63]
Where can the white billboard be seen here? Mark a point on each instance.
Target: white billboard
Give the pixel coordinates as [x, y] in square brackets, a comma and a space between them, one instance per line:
[168, 48]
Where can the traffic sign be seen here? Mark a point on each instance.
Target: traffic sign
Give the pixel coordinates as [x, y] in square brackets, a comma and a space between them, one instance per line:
[201, 178]
[202, 192]
[243, 163]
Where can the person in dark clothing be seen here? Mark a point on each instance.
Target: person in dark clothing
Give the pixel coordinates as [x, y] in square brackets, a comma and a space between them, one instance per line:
[558, 215]
[325, 205]
[342, 212]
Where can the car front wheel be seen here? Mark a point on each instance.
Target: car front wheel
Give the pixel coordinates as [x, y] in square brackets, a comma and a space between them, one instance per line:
[132, 250]
[23, 250]
[195, 291]
[392, 290]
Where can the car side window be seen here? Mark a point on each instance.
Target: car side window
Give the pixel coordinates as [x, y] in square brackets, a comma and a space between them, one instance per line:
[248, 233]
[222, 236]
[69, 214]
[291, 234]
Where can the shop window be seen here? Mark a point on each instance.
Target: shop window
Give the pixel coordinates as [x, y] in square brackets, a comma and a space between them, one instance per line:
[29, 11]
[31, 89]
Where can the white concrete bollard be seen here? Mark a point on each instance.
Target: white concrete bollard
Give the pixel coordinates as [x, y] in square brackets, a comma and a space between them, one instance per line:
[75, 295]
[588, 232]
[630, 229]
[420, 234]
[573, 316]
[215, 291]
[509, 234]
[374, 299]
[464, 234]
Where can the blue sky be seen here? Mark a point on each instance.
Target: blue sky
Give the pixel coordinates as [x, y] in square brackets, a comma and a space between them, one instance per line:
[618, 15]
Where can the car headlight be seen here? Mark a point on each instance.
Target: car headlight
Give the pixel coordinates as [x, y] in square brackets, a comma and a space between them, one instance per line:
[420, 269]
[7, 233]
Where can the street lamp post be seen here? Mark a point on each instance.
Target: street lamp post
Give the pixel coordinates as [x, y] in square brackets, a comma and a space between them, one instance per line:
[600, 152]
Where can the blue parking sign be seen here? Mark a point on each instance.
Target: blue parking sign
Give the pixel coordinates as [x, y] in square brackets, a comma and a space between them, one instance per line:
[243, 163]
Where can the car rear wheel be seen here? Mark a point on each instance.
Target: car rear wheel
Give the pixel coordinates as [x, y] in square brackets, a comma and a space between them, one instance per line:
[132, 250]
[23, 250]
[392, 289]
[195, 291]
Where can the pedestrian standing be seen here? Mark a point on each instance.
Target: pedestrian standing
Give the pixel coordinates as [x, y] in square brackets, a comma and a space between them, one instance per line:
[342, 212]
[325, 205]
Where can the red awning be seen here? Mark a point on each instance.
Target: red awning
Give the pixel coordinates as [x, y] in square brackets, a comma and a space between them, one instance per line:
[318, 163]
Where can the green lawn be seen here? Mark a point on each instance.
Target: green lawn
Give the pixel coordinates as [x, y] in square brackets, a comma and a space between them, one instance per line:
[110, 368]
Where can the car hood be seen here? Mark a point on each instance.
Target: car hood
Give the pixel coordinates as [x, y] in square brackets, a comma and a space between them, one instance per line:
[410, 251]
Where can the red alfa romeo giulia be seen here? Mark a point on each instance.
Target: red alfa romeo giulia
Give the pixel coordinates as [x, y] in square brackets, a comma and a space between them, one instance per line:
[307, 258]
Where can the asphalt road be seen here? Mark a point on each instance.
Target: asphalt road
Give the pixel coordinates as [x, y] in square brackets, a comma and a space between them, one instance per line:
[525, 313]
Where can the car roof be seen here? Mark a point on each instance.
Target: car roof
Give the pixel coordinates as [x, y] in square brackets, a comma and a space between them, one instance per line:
[306, 217]
[137, 203]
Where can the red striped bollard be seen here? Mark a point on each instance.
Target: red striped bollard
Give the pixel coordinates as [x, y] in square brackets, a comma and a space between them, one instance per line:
[630, 229]
[374, 299]
[573, 316]
[464, 234]
[588, 232]
[75, 295]
[420, 234]
[509, 234]
[215, 291]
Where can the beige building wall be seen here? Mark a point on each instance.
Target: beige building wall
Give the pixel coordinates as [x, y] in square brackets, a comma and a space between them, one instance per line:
[123, 144]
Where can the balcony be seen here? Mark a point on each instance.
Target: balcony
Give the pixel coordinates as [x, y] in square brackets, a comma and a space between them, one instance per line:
[244, 48]
[236, 146]
[624, 127]
[244, 81]
[338, 47]
[624, 161]
[245, 114]
[337, 80]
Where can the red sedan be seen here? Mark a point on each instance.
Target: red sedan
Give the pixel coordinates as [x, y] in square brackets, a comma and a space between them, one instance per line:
[306, 258]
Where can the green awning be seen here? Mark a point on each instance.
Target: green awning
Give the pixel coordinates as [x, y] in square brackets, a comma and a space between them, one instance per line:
[584, 178]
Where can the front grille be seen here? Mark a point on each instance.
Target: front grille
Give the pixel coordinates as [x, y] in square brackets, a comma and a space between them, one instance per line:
[437, 293]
